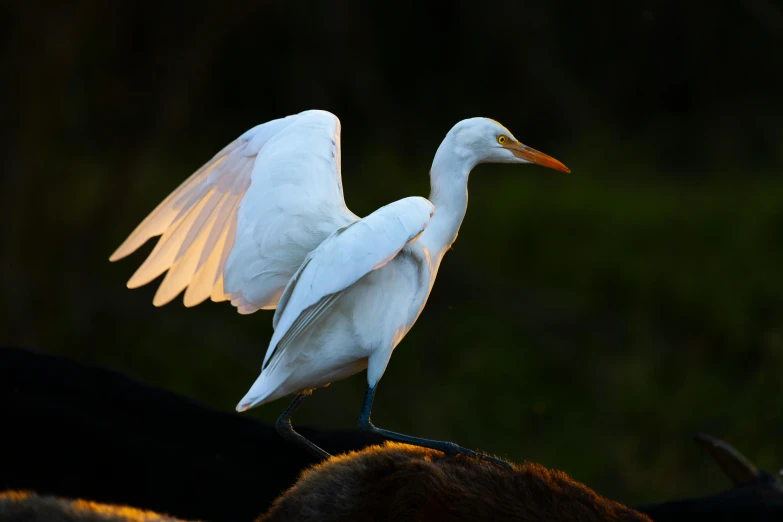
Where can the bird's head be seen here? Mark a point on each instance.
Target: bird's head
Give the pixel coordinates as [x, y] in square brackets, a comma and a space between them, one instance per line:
[484, 140]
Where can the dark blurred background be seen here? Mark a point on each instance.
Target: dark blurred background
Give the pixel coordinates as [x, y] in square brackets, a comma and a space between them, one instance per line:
[591, 322]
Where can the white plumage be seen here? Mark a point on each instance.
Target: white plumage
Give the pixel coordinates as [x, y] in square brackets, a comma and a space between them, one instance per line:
[264, 225]
[269, 198]
[321, 283]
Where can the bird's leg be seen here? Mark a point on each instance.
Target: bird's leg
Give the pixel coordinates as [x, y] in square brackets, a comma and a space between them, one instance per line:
[284, 428]
[448, 448]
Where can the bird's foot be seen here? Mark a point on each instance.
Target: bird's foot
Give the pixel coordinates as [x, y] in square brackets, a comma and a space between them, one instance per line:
[451, 449]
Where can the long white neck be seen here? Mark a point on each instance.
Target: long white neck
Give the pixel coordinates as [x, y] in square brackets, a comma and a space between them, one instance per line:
[449, 194]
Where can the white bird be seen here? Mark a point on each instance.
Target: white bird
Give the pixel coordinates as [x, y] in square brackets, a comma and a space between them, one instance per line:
[264, 225]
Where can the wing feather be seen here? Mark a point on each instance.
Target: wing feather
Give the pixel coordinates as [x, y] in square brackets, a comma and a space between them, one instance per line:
[218, 291]
[164, 254]
[240, 226]
[165, 213]
[340, 261]
[299, 327]
[201, 286]
[184, 268]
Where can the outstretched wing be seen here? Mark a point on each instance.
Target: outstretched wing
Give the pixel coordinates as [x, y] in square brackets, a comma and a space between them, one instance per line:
[341, 260]
[241, 225]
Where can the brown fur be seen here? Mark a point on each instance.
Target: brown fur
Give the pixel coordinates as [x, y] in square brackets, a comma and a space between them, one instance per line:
[23, 506]
[401, 482]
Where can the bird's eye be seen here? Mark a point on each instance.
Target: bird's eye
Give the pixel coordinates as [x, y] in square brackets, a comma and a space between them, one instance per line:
[501, 139]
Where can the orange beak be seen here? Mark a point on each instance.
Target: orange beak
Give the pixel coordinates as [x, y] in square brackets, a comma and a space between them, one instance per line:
[533, 156]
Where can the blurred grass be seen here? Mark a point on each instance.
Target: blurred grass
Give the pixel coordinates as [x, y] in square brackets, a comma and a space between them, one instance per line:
[591, 322]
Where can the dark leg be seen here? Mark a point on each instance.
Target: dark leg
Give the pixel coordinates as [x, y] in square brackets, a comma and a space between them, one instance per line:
[448, 448]
[285, 428]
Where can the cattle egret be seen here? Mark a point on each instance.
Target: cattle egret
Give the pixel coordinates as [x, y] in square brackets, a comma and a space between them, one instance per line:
[264, 225]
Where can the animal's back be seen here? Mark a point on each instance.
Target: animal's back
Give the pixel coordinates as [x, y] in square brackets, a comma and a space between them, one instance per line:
[25, 506]
[402, 482]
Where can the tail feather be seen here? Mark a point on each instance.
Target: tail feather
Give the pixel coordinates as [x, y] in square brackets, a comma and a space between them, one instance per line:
[265, 389]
